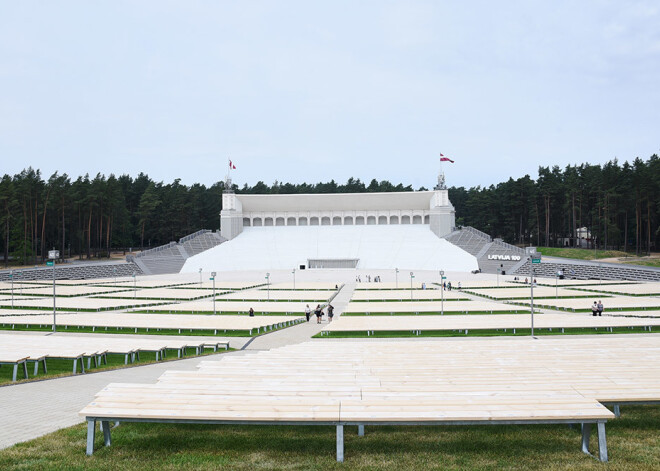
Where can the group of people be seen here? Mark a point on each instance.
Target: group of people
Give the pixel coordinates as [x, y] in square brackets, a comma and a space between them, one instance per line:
[597, 308]
[318, 312]
[376, 279]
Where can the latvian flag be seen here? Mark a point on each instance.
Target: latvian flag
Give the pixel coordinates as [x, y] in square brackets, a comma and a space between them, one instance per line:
[445, 159]
[233, 167]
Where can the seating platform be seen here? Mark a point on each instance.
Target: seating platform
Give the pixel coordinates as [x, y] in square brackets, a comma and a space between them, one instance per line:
[181, 322]
[475, 323]
[465, 382]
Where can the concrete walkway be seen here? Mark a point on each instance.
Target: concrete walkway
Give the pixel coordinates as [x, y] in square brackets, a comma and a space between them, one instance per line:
[37, 408]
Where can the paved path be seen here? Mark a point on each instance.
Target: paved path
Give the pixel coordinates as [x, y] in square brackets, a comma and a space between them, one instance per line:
[33, 409]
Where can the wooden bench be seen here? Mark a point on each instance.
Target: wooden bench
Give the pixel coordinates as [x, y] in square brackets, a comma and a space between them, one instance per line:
[150, 403]
[15, 362]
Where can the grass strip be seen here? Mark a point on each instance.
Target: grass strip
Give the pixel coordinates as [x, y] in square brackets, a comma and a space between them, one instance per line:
[480, 332]
[632, 443]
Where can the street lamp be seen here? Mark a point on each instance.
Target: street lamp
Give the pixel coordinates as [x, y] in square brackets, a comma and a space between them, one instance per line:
[11, 277]
[293, 272]
[52, 256]
[396, 275]
[268, 285]
[134, 286]
[411, 288]
[200, 277]
[534, 257]
[213, 278]
[442, 291]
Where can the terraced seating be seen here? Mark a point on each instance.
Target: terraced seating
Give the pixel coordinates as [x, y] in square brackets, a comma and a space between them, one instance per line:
[484, 382]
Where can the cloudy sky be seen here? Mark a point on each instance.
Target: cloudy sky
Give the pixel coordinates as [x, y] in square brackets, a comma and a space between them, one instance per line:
[304, 91]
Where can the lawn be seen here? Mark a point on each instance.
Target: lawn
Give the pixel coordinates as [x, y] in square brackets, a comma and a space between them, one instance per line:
[633, 443]
[581, 254]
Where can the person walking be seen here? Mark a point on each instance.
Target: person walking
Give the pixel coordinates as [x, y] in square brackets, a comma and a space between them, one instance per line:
[594, 309]
[330, 312]
[251, 314]
[600, 308]
[318, 312]
[308, 312]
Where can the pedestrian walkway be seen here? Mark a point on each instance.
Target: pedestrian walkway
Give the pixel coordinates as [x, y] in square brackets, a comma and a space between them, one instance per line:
[302, 332]
[37, 408]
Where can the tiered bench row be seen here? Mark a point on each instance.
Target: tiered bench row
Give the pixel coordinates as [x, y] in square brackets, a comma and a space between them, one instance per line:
[182, 322]
[17, 351]
[490, 381]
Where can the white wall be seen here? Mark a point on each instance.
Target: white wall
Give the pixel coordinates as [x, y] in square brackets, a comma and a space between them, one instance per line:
[285, 247]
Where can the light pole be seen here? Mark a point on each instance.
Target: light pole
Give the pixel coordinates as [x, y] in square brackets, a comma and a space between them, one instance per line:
[531, 290]
[396, 276]
[442, 291]
[134, 286]
[293, 272]
[534, 257]
[498, 277]
[411, 288]
[11, 277]
[557, 284]
[268, 285]
[200, 277]
[53, 255]
[213, 278]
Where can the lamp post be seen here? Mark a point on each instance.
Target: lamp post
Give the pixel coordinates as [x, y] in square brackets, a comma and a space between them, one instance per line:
[396, 276]
[268, 285]
[200, 277]
[411, 283]
[442, 291]
[534, 257]
[134, 286]
[11, 277]
[52, 256]
[213, 278]
[498, 277]
[557, 284]
[293, 272]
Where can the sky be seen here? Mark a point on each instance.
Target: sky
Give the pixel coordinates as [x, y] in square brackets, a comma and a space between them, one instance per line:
[300, 91]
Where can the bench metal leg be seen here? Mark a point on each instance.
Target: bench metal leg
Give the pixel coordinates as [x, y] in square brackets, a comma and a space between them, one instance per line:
[340, 443]
[617, 411]
[602, 442]
[13, 377]
[126, 359]
[25, 373]
[91, 430]
[36, 368]
[105, 426]
[360, 430]
[586, 434]
[45, 368]
[82, 365]
[75, 366]
[89, 363]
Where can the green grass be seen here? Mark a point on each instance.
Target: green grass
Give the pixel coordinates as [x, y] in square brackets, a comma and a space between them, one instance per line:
[581, 254]
[633, 443]
[59, 367]
[648, 263]
[436, 313]
[480, 332]
[132, 330]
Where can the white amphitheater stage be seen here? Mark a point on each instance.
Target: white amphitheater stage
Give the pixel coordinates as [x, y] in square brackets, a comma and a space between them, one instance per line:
[404, 246]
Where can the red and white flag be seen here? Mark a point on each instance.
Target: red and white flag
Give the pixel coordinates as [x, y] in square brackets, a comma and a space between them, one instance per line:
[232, 166]
[445, 159]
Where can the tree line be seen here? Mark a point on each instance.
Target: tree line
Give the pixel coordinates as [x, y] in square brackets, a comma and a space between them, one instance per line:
[90, 217]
